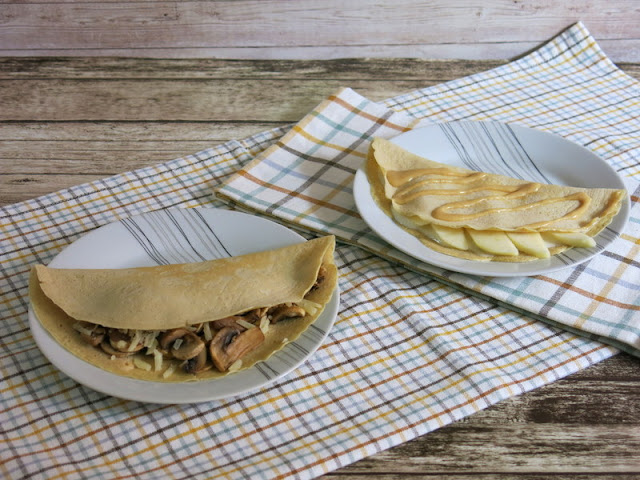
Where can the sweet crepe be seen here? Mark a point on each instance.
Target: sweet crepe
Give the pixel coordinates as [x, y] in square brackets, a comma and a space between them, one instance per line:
[484, 216]
[186, 321]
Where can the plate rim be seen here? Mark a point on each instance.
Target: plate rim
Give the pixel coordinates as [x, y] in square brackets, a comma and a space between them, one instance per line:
[190, 392]
[365, 203]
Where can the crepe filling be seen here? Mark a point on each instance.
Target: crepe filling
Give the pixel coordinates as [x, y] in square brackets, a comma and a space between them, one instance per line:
[219, 344]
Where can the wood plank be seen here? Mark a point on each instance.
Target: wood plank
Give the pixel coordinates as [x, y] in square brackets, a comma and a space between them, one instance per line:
[38, 68]
[618, 368]
[552, 429]
[516, 448]
[171, 100]
[17, 188]
[625, 50]
[104, 156]
[251, 27]
[570, 401]
[41, 157]
[94, 157]
[429, 71]
[29, 133]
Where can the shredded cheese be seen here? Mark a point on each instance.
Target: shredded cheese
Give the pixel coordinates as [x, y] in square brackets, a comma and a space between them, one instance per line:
[245, 324]
[264, 324]
[169, 371]
[142, 365]
[150, 339]
[235, 366]
[82, 329]
[151, 348]
[207, 331]
[157, 360]
[135, 340]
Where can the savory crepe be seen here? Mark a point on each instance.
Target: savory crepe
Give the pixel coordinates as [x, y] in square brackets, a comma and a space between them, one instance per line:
[186, 321]
[484, 216]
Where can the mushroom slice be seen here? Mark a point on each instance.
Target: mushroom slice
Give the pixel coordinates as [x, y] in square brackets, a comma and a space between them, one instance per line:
[90, 333]
[255, 315]
[122, 342]
[282, 312]
[197, 363]
[230, 344]
[107, 348]
[227, 322]
[190, 346]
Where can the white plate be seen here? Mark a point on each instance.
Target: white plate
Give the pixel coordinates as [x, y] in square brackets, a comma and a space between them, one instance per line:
[505, 149]
[179, 236]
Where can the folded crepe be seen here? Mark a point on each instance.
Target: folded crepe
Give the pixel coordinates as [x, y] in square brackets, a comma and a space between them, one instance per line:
[484, 216]
[186, 321]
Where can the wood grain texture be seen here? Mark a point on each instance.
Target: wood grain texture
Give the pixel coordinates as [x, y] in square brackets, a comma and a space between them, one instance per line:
[54, 133]
[307, 29]
[104, 116]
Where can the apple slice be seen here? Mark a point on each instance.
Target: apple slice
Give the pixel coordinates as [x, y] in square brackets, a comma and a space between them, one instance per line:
[571, 239]
[529, 242]
[451, 237]
[493, 241]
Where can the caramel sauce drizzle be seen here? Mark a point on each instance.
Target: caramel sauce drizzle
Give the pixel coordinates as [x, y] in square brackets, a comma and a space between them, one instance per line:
[402, 177]
[409, 190]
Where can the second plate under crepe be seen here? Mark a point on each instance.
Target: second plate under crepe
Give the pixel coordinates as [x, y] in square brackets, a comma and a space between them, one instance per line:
[504, 149]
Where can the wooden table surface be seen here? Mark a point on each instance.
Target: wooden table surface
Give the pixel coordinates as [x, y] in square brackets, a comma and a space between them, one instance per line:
[65, 121]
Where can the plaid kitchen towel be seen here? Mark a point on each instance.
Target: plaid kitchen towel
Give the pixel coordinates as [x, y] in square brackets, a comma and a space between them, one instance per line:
[569, 87]
[407, 355]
